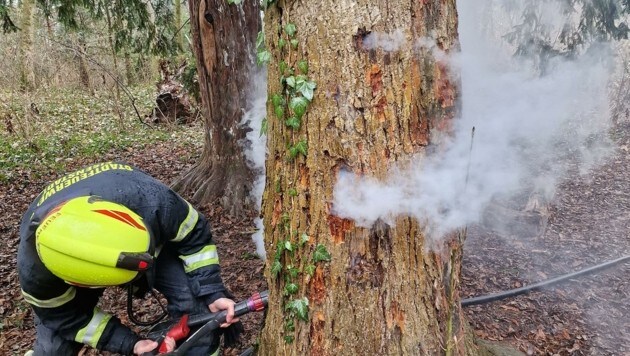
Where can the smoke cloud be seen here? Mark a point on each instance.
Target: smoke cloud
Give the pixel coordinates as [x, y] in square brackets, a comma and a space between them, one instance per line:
[255, 147]
[529, 130]
[388, 42]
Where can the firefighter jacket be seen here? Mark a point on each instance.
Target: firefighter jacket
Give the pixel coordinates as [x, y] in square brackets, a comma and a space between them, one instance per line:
[174, 224]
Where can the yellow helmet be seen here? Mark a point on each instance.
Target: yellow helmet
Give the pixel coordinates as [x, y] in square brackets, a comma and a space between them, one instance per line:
[91, 242]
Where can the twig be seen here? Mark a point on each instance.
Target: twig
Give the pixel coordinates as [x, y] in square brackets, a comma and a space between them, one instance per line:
[180, 28]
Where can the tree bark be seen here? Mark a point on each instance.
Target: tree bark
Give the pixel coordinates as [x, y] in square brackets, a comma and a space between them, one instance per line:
[27, 76]
[224, 45]
[383, 291]
[178, 23]
[112, 48]
[84, 72]
[129, 70]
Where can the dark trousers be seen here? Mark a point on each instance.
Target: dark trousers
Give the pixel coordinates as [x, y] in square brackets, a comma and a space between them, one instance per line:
[172, 282]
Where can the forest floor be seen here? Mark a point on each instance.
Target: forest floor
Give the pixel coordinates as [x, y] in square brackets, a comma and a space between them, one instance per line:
[588, 224]
[589, 221]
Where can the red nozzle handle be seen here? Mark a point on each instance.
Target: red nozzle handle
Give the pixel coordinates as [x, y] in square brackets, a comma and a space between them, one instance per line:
[177, 332]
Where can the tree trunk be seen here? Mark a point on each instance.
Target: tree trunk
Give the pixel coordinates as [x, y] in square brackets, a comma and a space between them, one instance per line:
[382, 292]
[112, 48]
[178, 24]
[27, 77]
[84, 72]
[129, 71]
[224, 45]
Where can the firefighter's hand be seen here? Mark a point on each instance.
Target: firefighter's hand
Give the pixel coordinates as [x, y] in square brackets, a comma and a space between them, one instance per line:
[224, 304]
[144, 346]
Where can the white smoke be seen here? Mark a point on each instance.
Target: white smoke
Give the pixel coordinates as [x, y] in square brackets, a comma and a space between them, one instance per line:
[388, 42]
[528, 127]
[255, 147]
[396, 41]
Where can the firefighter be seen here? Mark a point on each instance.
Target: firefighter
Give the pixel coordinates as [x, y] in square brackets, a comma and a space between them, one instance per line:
[110, 224]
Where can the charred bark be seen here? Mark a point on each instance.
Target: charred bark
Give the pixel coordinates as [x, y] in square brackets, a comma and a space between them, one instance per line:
[383, 292]
[224, 46]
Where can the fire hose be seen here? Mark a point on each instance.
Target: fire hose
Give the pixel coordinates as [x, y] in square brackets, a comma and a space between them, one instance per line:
[180, 329]
[536, 286]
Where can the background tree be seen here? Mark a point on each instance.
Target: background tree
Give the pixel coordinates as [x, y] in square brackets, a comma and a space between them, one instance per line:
[78, 41]
[27, 75]
[223, 37]
[178, 23]
[591, 22]
[7, 23]
[335, 287]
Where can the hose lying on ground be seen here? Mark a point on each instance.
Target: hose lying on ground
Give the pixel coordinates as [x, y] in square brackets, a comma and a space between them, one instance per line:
[525, 289]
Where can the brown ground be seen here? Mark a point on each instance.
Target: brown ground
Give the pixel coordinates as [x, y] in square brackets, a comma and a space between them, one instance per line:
[588, 224]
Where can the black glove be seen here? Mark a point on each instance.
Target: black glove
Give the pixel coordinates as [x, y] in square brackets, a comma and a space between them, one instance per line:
[231, 334]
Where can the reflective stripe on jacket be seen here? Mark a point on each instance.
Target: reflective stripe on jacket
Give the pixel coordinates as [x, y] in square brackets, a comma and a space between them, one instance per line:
[174, 225]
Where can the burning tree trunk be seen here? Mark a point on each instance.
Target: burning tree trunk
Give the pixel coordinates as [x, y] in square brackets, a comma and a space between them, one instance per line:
[337, 288]
[223, 41]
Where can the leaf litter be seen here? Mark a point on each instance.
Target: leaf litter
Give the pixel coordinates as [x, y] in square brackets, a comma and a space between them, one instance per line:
[588, 223]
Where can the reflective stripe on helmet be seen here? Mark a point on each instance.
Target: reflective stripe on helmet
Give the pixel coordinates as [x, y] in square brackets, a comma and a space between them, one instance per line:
[53, 302]
[188, 224]
[207, 256]
[93, 331]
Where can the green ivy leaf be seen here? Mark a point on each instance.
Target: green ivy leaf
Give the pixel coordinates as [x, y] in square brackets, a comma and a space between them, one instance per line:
[310, 270]
[290, 29]
[305, 86]
[279, 251]
[276, 268]
[260, 39]
[279, 110]
[321, 254]
[304, 239]
[293, 152]
[277, 100]
[294, 43]
[299, 307]
[293, 192]
[302, 147]
[288, 246]
[293, 271]
[294, 123]
[282, 66]
[263, 57]
[290, 288]
[298, 105]
[303, 66]
[263, 127]
[288, 339]
[291, 81]
[281, 43]
[289, 325]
